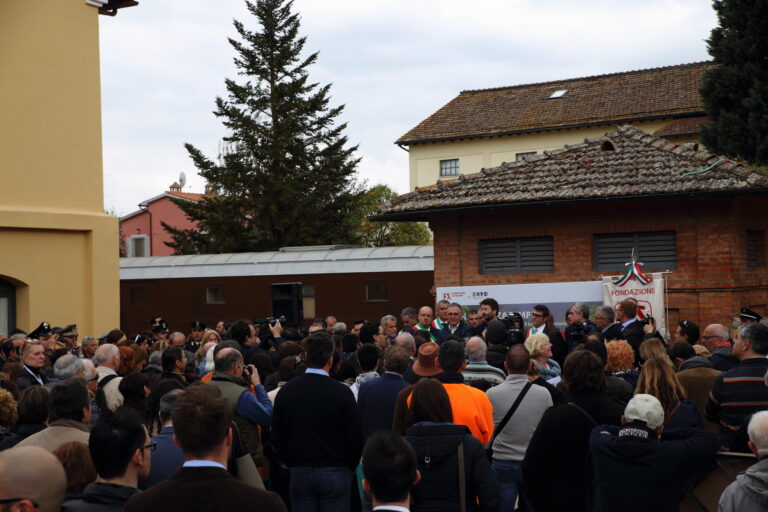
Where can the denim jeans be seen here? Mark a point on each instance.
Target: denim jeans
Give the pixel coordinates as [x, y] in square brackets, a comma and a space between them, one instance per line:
[320, 489]
[509, 474]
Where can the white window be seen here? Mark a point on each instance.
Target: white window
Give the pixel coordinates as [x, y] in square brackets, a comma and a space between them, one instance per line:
[138, 246]
[522, 156]
[449, 167]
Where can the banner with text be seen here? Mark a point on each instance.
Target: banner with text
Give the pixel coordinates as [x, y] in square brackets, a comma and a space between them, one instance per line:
[649, 296]
[520, 298]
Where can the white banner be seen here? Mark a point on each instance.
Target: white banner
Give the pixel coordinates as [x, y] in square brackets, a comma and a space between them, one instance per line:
[520, 298]
[650, 297]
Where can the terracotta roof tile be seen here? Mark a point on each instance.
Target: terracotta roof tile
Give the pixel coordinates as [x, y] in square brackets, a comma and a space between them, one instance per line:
[682, 127]
[666, 92]
[639, 164]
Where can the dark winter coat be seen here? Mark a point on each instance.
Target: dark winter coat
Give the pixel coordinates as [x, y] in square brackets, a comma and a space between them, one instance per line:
[436, 447]
[556, 468]
[100, 497]
[656, 469]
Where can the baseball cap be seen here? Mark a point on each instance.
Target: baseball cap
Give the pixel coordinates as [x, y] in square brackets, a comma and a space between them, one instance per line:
[646, 408]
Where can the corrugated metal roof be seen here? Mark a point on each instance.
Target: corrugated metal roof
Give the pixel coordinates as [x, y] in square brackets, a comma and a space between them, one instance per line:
[339, 261]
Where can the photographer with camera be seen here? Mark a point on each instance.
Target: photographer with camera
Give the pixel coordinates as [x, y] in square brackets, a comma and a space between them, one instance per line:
[240, 384]
[579, 325]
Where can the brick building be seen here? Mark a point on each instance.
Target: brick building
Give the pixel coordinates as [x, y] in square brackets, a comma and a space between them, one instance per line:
[576, 213]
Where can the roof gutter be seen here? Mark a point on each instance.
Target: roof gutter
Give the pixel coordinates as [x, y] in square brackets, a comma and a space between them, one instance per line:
[629, 120]
[424, 215]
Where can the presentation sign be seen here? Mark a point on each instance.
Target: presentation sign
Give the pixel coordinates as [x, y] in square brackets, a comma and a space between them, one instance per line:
[649, 293]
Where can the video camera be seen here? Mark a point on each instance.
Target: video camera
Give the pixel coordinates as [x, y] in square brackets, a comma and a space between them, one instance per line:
[515, 328]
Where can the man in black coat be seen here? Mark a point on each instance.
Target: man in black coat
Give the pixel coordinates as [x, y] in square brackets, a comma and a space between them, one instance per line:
[202, 421]
[631, 329]
[316, 432]
[657, 465]
[455, 324]
[604, 320]
[376, 398]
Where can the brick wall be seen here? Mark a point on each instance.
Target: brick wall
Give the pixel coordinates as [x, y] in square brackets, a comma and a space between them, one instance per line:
[711, 281]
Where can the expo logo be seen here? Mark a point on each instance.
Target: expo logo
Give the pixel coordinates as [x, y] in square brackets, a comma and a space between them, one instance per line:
[479, 294]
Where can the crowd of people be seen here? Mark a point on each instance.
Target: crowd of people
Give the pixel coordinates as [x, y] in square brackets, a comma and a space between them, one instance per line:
[437, 410]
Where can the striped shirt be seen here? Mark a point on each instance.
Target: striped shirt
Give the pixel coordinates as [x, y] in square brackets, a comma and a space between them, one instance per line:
[735, 396]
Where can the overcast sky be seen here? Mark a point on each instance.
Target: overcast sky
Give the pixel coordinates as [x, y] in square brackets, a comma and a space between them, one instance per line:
[392, 63]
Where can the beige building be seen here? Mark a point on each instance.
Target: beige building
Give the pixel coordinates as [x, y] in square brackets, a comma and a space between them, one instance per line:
[484, 128]
[59, 261]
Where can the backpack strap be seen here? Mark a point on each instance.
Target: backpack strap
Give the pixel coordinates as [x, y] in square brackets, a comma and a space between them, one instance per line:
[101, 397]
[510, 412]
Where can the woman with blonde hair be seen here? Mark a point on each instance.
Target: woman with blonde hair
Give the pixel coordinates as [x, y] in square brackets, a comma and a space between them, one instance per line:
[657, 378]
[621, 361]
[540, 348]
[654, 347]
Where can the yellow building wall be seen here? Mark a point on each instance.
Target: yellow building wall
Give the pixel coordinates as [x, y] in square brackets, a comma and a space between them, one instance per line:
[474, 154]
[59, 247]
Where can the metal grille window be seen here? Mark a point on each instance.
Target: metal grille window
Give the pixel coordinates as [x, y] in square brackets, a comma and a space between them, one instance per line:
[376, 291]
[657, 249]
[523, 156]
[755, 248]
[517, 255]
[449, 167]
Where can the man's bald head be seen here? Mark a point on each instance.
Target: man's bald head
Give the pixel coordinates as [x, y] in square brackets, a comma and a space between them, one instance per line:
[518, 359]
[714, 334]
[107, 355]
[406, 341]
[23, 468]
[228, 360]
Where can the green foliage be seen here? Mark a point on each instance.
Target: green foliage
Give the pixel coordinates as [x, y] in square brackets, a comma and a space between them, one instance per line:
[383, 234]
[735, 92]
[285, 175]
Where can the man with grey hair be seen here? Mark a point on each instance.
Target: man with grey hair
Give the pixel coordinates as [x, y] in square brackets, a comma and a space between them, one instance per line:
[749, 492]
[410, 317]
[717, 339]
[167, 457]
[339, 328]
[107, 361]
[478, 373]
[88, 347]
[389, 323]
[579, 313]
[604, 320]
[406, 341]
[441, 316]
[91, 377]
[31, 478]
[65, 367]
[454, 324]
[741, 392]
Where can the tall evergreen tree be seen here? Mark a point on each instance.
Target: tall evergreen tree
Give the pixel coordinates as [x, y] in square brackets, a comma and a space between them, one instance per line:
[735, 92]
[285, 175]
[383, 234]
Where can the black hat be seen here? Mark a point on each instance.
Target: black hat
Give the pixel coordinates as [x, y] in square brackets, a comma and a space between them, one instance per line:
[69, 331]
[197, 325]
[748, 314]
[44, 329]
[159, 325]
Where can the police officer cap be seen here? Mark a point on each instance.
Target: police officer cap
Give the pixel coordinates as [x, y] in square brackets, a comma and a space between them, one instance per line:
[197, 325]
[748, 314]
[44, 329]
[69, 331]
[159, 324]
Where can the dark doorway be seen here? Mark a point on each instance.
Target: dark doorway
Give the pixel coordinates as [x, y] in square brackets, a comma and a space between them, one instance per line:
[7, 307]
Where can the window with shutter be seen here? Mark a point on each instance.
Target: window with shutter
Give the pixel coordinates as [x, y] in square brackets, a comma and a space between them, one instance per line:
[517, 255]
[656, 249]
[755, 248]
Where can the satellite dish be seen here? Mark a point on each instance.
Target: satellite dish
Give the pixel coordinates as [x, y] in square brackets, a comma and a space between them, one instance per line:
[182, 179]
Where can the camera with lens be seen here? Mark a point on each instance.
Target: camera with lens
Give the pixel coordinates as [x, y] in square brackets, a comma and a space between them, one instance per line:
[515, 328]
[576, 334]
[272, 320]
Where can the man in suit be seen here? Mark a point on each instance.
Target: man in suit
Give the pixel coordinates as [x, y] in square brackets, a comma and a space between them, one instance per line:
[454, 324]
[202, 421]
[376, 399]
[389, 471]
[604, 320]
[631, 329]
[316, 432]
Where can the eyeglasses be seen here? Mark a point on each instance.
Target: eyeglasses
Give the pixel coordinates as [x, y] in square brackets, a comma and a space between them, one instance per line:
[538, 315]
[151, 447]
[3, 501]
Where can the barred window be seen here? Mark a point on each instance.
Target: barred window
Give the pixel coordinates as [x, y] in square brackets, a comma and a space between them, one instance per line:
[449, 167]
[656, 249]
[376, 291]
[517, 255]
